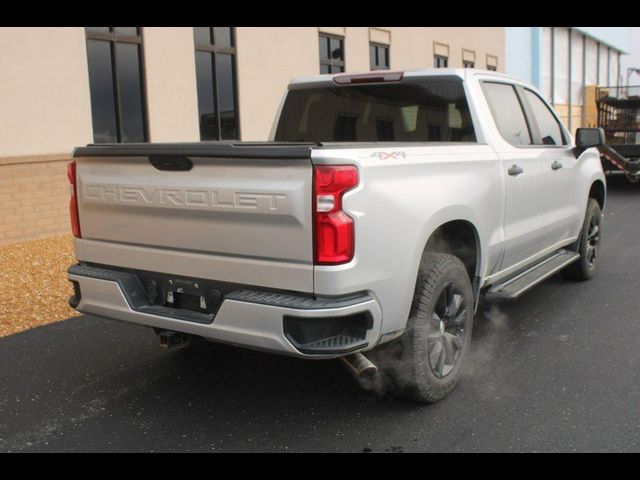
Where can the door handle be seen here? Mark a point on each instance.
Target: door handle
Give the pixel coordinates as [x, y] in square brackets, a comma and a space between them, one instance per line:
[515, 170]
[556, 165]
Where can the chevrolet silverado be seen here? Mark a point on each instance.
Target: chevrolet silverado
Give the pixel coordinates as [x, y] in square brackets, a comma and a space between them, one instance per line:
[383, 208]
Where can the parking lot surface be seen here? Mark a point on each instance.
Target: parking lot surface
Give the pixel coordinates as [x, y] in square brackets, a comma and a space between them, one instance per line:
[557, 370]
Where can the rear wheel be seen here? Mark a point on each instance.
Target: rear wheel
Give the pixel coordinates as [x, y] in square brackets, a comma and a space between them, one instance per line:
[588, 245]
[425, 362]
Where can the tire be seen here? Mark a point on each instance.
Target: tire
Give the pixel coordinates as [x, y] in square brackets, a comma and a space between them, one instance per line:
[413, 366]
[588, 245]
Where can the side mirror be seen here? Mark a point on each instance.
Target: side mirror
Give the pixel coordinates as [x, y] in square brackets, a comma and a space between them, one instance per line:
[589, 137]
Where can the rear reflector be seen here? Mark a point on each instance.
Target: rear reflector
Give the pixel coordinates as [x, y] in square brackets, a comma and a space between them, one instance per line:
[334, 232]
[374, 77]
[73, 201]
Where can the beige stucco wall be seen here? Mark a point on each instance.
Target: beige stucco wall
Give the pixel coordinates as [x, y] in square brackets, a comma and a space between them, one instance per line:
[413, 47]
[268, 57]
[170, 74]
[45, 105]
[44, 91]
[356, 49]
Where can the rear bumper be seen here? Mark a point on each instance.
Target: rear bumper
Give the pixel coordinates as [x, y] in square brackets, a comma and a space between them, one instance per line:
[251, 318]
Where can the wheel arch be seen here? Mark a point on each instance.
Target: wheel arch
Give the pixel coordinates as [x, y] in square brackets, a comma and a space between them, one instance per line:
[597, 191]
[459, 238]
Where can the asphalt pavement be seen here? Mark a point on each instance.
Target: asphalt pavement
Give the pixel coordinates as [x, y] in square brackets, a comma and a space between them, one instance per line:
[557, 370]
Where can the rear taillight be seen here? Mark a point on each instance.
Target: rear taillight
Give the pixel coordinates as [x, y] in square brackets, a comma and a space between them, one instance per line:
[334, 232]
[73, 201]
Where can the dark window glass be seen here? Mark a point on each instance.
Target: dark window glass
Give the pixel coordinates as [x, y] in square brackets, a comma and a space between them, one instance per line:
[127, 31]
[336, 48]
[345, 128]
[202, 35]
[324, 48]
[331, 54]
[206, 102]
[467, 64]
[222, 37]
[98, 29]
[440, 62]
[411, 111]
[492, 68]
[384, 130]
[507, 113]
[103, 102]
[550, 130]
[130, 89]
[117, 97]
[227, 107]
[434, 132]
[379, 57]
[216, 83]
[383, 56]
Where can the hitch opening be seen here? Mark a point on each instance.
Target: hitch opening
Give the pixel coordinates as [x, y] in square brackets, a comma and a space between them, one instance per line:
[170, 339]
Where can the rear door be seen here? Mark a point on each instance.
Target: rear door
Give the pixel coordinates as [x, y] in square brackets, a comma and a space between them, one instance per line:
[522, 163]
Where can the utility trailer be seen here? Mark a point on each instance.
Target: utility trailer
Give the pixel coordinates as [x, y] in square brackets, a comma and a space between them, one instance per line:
[619, 117]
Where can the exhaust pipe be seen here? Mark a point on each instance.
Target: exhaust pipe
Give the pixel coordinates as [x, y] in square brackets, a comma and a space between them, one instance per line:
[359, 365]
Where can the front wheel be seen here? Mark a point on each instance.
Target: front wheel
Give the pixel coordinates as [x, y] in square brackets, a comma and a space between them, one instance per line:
[588, 245]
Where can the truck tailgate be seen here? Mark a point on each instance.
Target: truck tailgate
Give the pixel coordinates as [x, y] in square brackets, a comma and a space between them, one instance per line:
[215, 210]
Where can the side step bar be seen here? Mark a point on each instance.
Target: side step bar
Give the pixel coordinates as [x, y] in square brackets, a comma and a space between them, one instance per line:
[516, 286]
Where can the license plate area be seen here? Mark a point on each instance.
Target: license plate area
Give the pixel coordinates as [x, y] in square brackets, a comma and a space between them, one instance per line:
[189, 295]
[186, 295]
[182, 294]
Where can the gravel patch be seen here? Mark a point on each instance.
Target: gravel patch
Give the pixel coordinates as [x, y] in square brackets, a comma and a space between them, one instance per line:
[35, 289]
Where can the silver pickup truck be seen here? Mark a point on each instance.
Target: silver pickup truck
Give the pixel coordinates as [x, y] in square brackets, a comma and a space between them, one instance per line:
[384, 207]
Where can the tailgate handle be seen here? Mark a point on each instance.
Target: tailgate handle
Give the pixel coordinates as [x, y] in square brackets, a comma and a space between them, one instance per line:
[173, 163]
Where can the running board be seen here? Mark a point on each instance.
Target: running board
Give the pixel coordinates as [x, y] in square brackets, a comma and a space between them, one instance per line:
[516, 286]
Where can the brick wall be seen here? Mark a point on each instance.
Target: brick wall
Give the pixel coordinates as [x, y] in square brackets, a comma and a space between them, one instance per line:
[34, 198]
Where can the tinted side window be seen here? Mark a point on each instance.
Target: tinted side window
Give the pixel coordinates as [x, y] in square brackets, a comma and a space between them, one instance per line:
[550, 130]
[507, 113]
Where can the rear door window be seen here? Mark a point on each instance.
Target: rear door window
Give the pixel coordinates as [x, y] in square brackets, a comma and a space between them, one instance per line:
[431, 110]
[507, 113]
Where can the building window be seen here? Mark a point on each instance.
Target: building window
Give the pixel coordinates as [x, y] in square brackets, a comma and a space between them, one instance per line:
[379, 56]
[492, 68]
[468, 64]
[118, 110]
[331, 54]
[440, 61]
[216, 82]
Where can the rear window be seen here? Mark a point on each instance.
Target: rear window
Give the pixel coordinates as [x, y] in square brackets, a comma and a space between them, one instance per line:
[421, 111]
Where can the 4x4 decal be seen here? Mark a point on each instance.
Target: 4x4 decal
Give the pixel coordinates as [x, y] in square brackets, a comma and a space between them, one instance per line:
[389, 155]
